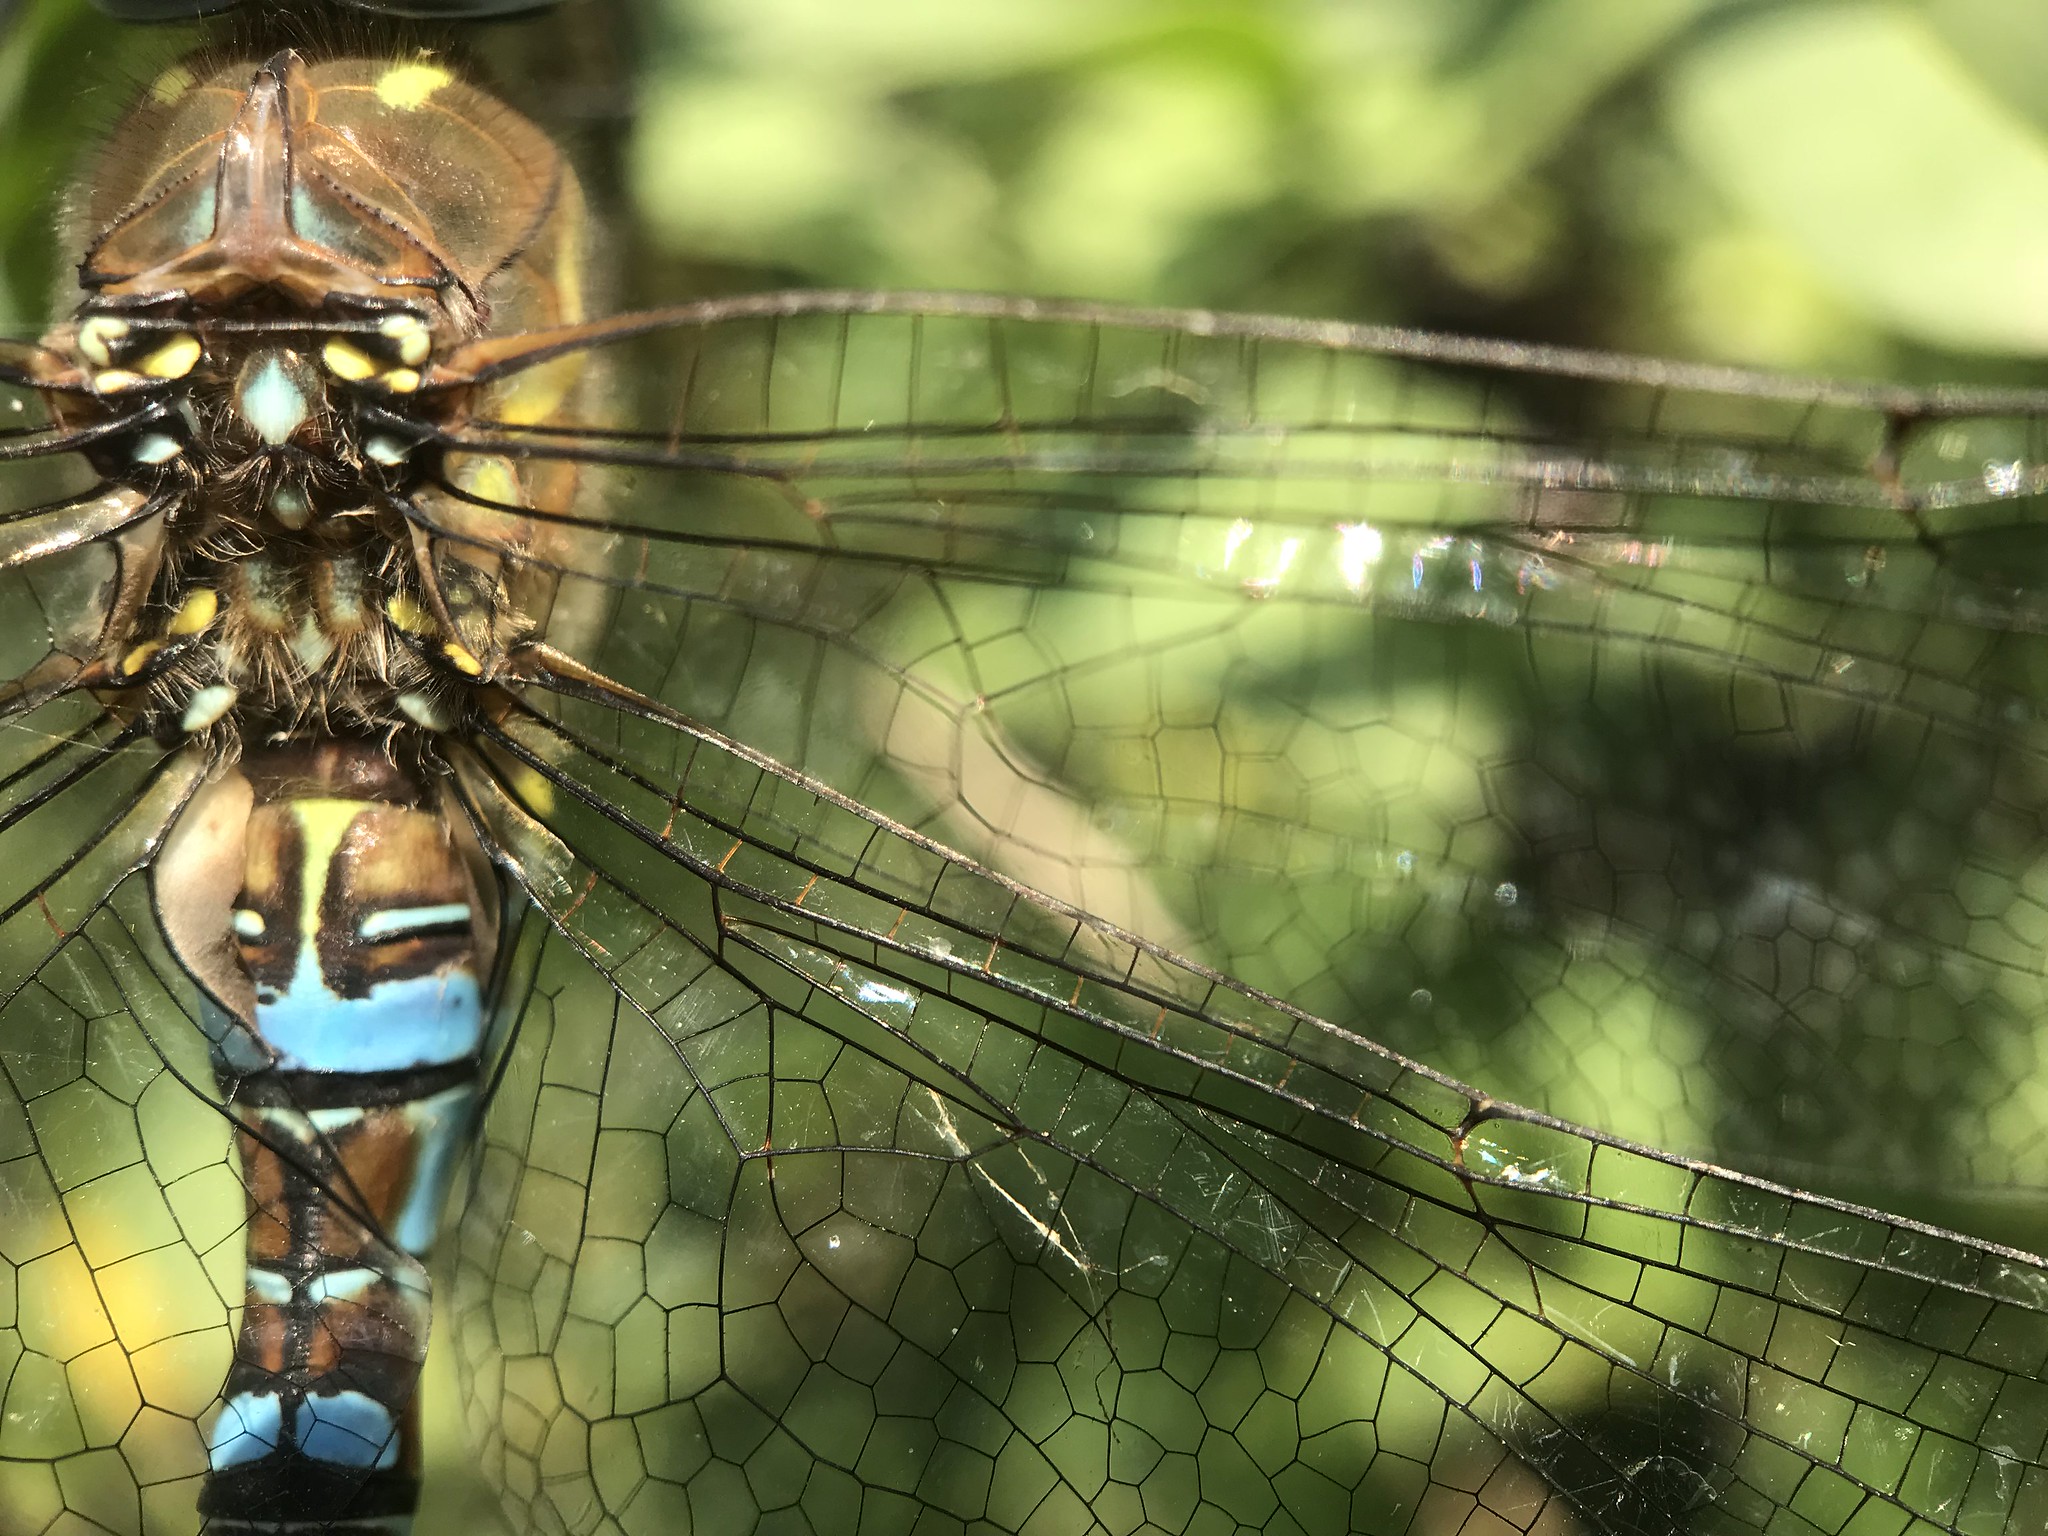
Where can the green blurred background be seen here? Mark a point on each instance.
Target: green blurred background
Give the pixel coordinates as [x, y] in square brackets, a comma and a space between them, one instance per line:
[1845, 188]
[1853, 187]
[1826, 186]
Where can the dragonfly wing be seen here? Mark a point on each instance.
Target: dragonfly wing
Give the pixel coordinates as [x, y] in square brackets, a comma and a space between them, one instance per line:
[1619, 733]
[123, 1204]
[72, 546]
[1725, 752]
[825, 1199]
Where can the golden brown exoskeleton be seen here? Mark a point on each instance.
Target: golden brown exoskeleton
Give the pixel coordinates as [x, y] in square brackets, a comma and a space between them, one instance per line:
[283, 268]
[281, 275]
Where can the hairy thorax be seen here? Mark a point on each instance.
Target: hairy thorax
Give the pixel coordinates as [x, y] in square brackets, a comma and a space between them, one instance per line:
[276, 278]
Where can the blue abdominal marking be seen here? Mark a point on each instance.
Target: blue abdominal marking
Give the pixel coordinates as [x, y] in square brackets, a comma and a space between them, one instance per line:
[419, 1021]
[439, 1125]
[250, 1427]
[348, 1428]
[353, 1074]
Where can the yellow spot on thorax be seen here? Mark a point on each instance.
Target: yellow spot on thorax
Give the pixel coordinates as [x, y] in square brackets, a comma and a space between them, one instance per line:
[491, 479]
[347, 362]
[174, 359]
[407, 87]
[195, 613]
[408, 615]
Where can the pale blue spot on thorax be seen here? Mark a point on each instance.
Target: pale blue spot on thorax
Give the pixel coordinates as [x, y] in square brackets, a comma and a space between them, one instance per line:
[157, 448]
[312, 644]
[199, 219]
[270, 400]
[311, 221]
[289, 506]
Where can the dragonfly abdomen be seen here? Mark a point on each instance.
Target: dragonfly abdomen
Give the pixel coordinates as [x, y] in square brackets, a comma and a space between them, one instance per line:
[350, 1023]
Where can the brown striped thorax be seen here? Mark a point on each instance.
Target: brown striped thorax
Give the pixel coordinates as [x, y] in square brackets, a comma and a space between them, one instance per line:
[281, 274]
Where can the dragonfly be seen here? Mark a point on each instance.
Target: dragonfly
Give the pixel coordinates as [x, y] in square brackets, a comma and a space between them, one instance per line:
[911, 812]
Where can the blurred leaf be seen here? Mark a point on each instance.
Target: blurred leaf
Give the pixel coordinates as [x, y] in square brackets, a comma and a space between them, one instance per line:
[900, 44]
[1460, 141]
[1749, 295]
[1859, 138]
[1142, 156]
[2004, 43]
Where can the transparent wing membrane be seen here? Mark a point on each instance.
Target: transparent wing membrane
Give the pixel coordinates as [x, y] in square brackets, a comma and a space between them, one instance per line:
[971, 1204]
[122, 1197]
[996, 806]
[1366, 666]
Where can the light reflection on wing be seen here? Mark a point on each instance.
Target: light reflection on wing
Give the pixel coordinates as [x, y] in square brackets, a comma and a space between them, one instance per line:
[1362, 674]
[1661, 740]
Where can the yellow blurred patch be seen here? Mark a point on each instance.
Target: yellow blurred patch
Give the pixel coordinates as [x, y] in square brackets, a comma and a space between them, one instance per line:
[532, 789]
[171, 84]
[407, 87]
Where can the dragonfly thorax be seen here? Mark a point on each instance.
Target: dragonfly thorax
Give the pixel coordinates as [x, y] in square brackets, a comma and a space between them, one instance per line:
[288, 592]
[291, 421]
[255, 366]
